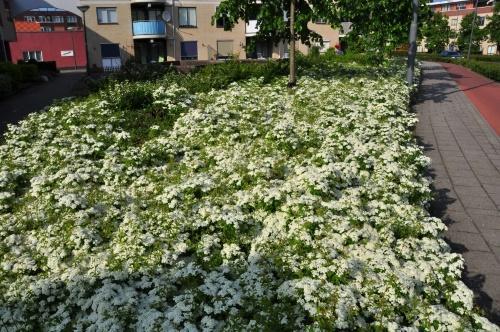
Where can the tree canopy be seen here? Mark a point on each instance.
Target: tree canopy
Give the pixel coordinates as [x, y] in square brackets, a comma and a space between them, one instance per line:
[465, 31]
[381, 25]
[493, 27]
[271, 17]
[437, 33]
[384, 24]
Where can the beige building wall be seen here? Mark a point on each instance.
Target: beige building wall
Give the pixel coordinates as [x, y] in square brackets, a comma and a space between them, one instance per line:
[116, 33]
[205, 34]
[330, 37]
[456, 21]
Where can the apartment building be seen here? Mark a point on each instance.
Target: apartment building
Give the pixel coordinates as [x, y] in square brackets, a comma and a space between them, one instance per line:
[7, 31]
[49, 34]
[455, 10]
[174, 30]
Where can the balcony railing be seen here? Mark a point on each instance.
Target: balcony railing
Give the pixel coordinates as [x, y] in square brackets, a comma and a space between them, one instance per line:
[148, 28]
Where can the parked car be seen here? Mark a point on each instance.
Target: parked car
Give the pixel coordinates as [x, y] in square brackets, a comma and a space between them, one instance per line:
[451, 54]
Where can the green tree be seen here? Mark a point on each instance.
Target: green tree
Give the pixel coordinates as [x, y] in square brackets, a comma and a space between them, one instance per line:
[464, 34]
[437, 33]
[381, 25]
[274, 19]
[493, 27]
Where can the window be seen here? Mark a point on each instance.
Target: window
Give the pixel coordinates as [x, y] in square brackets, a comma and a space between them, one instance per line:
[187, 17]
[224, 49]
[189, 50]
[71, 19]
[46, 28]
[454, 22]
[58, 19]
[107, 15]
[492, 49]
[44, 19]
[30, 18]
[324, 48]
[221, 22]
[480, 21]
[445, 8]
[110, 54]
[320, 21]
[461, 6]
[32, 55]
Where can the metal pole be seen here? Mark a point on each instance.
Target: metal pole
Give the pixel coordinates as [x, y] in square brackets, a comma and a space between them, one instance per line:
[73, 45]
[472, 32]
[86, 45]
[173, 28]
[293, 76]
[412, 49]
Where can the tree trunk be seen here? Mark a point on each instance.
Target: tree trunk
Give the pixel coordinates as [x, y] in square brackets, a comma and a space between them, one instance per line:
[292, 81]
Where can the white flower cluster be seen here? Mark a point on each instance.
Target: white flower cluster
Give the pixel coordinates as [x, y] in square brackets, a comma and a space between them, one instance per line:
[258, 209]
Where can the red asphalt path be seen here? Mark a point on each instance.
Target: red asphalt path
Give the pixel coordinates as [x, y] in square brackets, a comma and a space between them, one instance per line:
[482, 92]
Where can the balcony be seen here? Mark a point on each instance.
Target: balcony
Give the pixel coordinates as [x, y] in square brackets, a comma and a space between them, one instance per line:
[148, 29]
[251, 28]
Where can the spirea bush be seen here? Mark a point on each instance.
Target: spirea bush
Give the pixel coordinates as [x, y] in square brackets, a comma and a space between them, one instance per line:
[251, 208]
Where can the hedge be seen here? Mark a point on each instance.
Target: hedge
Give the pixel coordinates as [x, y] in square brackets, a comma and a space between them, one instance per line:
[13, 76]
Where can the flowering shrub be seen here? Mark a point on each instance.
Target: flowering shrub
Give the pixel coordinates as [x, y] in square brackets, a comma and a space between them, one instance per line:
[249, 208]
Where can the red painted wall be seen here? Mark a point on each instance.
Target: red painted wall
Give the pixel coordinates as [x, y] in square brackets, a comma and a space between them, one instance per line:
[51, 44]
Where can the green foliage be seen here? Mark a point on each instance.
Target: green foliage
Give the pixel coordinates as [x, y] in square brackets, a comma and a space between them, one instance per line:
[488, 69]
[14, 75]
[314, 51]
[493, 27]
[379, 26]
[366, 59]
[270, 17]
[465, 31]
[220, 75]
[29, 72]
[437, 33]
[488, 66]
[486, 58]
[13, 71]
[139, 72]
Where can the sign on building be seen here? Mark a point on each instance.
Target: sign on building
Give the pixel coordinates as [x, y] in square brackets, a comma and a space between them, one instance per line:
[68, 53]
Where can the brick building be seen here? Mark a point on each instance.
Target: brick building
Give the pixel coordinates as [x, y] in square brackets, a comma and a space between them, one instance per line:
[49, 34]
[168, 30]
[455, 10]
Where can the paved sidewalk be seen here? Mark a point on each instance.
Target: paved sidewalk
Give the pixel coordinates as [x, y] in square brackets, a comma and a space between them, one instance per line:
[465, 154]
[34, 98]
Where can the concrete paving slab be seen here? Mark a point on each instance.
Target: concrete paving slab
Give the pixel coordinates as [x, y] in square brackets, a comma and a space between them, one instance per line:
[466, 173]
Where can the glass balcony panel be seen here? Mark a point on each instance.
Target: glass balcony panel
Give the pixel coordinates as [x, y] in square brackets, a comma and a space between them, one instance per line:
[147, 28]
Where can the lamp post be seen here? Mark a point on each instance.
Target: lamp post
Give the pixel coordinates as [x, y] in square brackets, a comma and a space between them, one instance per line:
[73, 45]
[412, 49]
[472, 31]
[292, 80]
[83, 9]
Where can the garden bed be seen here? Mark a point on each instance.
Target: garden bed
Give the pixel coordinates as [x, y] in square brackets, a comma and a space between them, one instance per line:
[146, 207]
